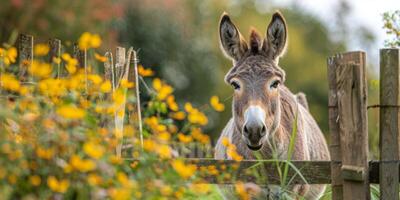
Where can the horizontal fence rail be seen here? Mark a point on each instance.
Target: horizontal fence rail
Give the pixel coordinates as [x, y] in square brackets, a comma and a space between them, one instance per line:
[314, 172]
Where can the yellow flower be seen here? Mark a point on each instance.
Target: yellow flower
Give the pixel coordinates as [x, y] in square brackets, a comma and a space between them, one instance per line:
[126, 84]
[164, 151]
[41, 49]
[241, 191]
[8, 56]
[171, 103]
[225, 141]
[93, 149]
[197, 117]
[82, 165]
[71, 112]
[94, 179]
[120, 194]
[214, 101]
[56, 185]
[100, 57]
[9, 82]
[118, 97]
[40, 69]
[96, 79]
[149, 145]
[95, 41]
[164, 136]
[57, 60]
[106, 86]
[188, 107]
[35, 180]
[45, 153]
[185, 171]
[178, 115]
[163, 90]
[199, 136]
[145, 72]
[185, 138]
[88, 40]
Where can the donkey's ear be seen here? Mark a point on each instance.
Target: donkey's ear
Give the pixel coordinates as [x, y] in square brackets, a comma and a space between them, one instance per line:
[232, 42]
[276, 37]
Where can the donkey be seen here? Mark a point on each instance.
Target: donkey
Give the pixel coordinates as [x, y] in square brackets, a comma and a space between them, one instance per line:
[264, 110]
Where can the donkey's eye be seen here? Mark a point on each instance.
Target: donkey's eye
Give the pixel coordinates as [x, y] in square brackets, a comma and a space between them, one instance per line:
[275, 84]
[235, 85]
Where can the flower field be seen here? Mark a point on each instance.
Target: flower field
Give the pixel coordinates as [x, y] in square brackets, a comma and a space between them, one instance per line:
[58, 138]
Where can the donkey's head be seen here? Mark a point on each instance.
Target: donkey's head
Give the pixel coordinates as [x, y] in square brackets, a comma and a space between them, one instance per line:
[255, 78]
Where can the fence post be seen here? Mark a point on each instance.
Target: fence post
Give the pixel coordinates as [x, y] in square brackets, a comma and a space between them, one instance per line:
[336, 156]
[352, 108]
[389, 123]
[55, 52]
[25, 54]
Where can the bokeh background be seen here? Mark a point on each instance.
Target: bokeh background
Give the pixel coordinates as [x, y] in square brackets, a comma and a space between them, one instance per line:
[179, 40]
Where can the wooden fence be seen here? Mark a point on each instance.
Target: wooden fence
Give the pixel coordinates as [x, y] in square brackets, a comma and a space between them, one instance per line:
[350, 173]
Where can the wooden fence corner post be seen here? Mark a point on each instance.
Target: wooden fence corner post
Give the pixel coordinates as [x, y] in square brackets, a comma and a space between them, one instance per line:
[336, 156]
[389, 123]
[55, 52]
[351, 85]
[25, 55]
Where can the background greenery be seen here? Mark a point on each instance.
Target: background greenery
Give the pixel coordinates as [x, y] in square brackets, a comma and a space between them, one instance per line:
[178, 39]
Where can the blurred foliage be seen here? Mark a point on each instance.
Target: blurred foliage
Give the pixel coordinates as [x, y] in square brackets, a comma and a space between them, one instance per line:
[60, 19]
[179, 40]
[392, 26]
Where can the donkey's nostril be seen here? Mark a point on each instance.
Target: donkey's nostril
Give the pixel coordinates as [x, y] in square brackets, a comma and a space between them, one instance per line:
[245, 129]
[263, 130]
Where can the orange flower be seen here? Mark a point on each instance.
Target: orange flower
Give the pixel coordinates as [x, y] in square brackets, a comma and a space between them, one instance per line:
[145, 72]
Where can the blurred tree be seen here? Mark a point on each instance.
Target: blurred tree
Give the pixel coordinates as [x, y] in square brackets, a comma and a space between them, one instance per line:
[179, 39]
[65, 20]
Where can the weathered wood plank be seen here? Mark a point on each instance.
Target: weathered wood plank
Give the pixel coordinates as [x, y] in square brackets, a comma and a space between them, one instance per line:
[55, 52]
[80, 55]
[133, 76]
[352, 109]
[389, 123]
[120, 112]
[25, 55]
[335, 151]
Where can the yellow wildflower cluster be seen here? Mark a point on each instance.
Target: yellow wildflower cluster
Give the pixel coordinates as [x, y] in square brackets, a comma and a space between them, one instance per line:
[93, 149]
[145, 72]
[40, 69]
[9, 82]
[70, 112]
[41, 49]
[79, 164]
[231, 149]
[184, 170]
[8, 56]
[195, 116]
[214, 101]
[164, 151]
[60, 186]
[59, 131]
[71, 64]
[89, 40]
[163, 90]
[199, 136]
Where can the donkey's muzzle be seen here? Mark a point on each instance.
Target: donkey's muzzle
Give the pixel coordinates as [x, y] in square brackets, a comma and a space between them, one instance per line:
[254, 128]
